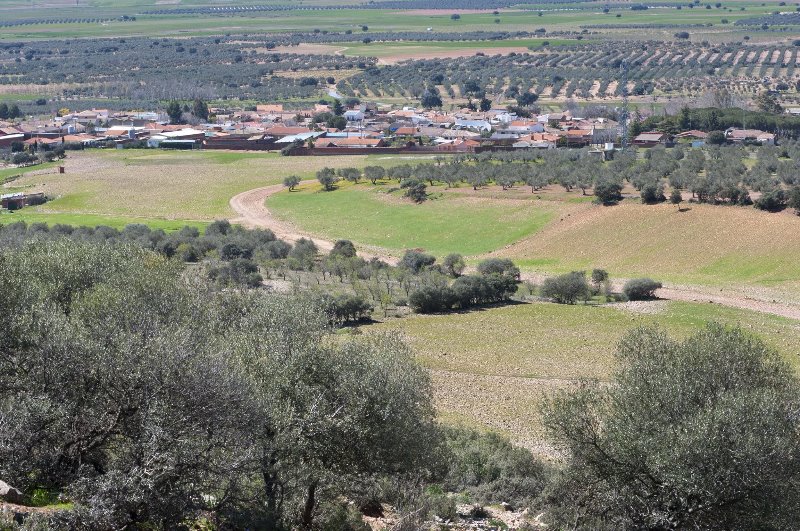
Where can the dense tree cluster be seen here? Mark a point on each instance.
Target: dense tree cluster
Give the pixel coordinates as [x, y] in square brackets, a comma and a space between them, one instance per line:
[496, 281]
[146, 398]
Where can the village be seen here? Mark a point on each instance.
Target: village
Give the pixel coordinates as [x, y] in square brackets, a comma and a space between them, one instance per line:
[361, 128]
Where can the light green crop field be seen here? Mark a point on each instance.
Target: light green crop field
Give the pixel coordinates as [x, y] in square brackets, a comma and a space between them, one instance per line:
[552, 17]
[539, 347]
[447, 223]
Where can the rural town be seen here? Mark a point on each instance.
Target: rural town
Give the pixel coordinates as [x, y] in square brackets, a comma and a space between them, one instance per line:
[394, 265]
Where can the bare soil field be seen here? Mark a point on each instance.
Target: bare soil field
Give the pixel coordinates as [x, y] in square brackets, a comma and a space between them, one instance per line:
[701, 245]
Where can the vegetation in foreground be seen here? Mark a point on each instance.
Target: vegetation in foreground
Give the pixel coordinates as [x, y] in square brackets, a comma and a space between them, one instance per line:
[143, 396]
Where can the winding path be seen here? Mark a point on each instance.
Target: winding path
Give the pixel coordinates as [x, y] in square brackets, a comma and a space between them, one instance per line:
[253, 213]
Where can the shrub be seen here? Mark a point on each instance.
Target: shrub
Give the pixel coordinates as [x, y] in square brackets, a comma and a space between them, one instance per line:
[638, 289]
[694, 434]
[431, 299]
[498, 266]
[771, 200]
[416, 261]
[566, 289]
[347, 308]
[415, 190]
[291, 182]
[343, 249]
[608, 191]
[653, 193]
[491, 469]
[453, 264]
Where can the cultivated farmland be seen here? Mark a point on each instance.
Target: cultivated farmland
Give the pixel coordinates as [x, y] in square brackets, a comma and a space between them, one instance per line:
[539, 347]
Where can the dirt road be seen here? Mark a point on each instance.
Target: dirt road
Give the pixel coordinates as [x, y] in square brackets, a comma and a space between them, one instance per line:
[253, 213]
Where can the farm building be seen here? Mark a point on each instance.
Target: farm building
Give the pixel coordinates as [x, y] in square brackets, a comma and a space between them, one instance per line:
[352, 142]
[13, 201]
[17, 200]
[650, 139]
[750, 135]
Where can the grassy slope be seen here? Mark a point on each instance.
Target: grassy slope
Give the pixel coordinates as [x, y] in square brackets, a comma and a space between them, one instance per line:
[440, 226]
[704, 245]
[539, 347]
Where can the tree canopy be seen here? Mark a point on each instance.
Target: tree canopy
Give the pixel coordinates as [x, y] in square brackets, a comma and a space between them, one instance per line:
[693, 434]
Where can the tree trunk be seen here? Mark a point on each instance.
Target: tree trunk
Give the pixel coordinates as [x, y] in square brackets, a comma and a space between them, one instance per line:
[308, 509]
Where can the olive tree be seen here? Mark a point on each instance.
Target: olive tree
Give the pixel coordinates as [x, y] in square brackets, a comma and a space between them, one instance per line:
[327, 178]
[693, 434]
[114, 390]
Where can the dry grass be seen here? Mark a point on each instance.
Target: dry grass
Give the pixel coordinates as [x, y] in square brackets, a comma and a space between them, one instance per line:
[540, 347]
[702, 245]
[167, 185]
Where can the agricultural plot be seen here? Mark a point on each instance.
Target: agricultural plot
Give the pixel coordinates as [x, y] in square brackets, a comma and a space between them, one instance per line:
[552, 231]
[705, 244]
[539, 347]
[163, 20]
[590, 71]
[376, 216]
[392, 52]
[155, 186]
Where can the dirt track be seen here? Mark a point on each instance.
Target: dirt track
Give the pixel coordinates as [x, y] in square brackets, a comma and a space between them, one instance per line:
[253, 213]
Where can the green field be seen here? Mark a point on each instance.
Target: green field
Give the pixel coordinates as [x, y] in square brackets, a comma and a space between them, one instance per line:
[447, 223]
[553, 17]
[538, 347]
[158, 187]
[31, 215]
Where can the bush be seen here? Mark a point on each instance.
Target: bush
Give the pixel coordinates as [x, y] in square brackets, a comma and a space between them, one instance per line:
[472, 290]
[343, 249]
[492, 470]
[653, 193]
[416, 261]
[566, 289]
[347, 308]
[415, 190]
[608, 191]
[771, 200]
[498, 266]
[639, 289]
[432, 299]
[694, 434]
[453, 265]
